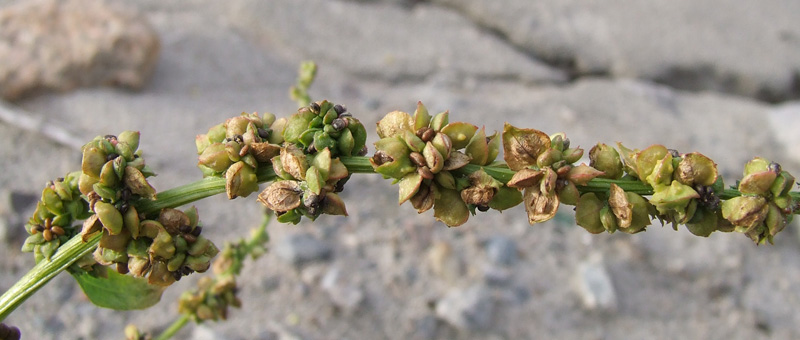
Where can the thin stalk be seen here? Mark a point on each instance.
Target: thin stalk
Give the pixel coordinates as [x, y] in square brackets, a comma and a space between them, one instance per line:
[174, 327]
[69, 252]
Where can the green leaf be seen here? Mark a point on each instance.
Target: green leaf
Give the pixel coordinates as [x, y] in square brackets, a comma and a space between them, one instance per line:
[117, 291]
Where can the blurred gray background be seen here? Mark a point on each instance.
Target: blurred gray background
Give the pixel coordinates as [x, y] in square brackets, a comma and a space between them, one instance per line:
[718, 77]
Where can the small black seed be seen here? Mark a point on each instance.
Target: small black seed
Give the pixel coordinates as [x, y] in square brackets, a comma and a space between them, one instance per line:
[566, 143]
[264, 133]
[197, 230]
[111, 157]
[110, 137]
[339, 124]
[177, 275]
[123, 207]
[674, 153]
[339, 108]
[185, 229]
[363, 151]
[238, 139]
[312, 149]
[60, 179]
[126, 194]
[775, 167]
[314, 107]
[122, 268]
[339, 187]
[482, 207]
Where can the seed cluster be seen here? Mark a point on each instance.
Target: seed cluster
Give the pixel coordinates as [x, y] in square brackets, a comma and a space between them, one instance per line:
[51, 224]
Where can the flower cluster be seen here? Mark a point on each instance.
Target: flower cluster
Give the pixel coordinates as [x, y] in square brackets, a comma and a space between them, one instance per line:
[163, 250]
[52, 222]
[235, 148]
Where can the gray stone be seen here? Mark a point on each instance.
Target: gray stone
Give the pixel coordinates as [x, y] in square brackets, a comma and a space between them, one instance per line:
[594, 285]
[785, 121]
[64, 44]
[502, 250]
[386, 41]
[343, 293]
[747, 48]
[467, 309]
[302, 248]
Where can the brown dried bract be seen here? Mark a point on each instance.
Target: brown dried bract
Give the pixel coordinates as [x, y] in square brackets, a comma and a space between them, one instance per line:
[622, 209]
[281, 196]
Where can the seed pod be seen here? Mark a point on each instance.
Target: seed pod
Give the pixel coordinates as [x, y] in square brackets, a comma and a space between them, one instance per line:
[124, 151]
[294, 161]
[460, 133]
[443, 144]
[425, 172]
[216, 157]
[281, 196]
[582, 174]
[424, 198]
[240, 180]
[782, 184]
[445, 179]
[540, 205]
[457, 160]
[130, 219]
[606, 159]
[608, 220]
[587, 213]
[521, 147]
[333, 205]
[109, 216]
[408, 186]
[117, 243]
[422, 118]
[449, 208]
[745, 212]
[412, 141]
[440, 120]
[647, 159]
[394, 123]
[136, 182]
[92, 161]
[696, 169]
[661, 173]
[478, 148]
[569, 194]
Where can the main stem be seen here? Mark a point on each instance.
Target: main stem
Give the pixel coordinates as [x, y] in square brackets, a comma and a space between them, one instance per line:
[74, 249]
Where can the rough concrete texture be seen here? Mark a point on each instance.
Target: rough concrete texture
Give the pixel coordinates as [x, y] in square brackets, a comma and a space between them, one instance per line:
[713, 45]
[389, 268]
[60, 45]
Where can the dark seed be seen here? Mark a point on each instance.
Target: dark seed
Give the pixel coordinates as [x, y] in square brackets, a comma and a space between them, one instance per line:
[264, 133]
[123, 207]
[426, 134]
[60, 179]
[381, 157]
[9, 332]
[110, 137]
[189, 238]
[314, 107]
[482, 207]
[417, 158]
[186, 270]
[363, 151]
[185, 229]
[425, 172]
[126, 194]
[312, 149]
[339, 187]
[197, 230]
[177, 276]
[774, 167]
[38, 228]
[48, 235]
[339, 108]
[238, 139]
[566, 143]
[57, 230]
[674, 152]
[122, 268]
[339, 124]
[111, 157]
[346, 114]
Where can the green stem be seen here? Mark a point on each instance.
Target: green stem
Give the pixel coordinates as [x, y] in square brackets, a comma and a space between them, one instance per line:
[174, 327]
[69, 252]
[44, 271]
